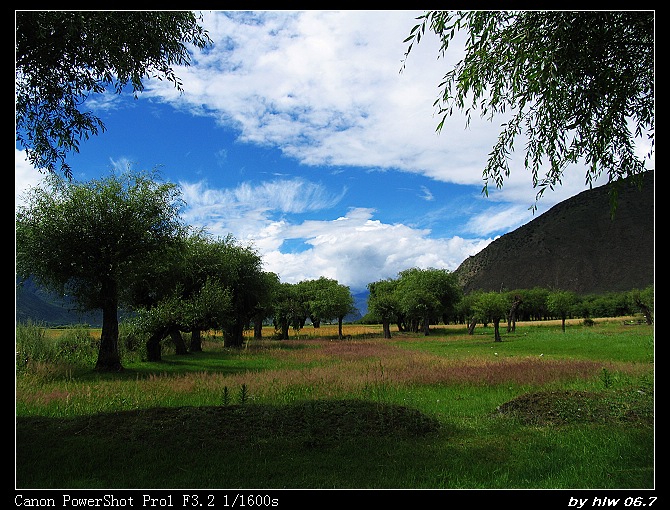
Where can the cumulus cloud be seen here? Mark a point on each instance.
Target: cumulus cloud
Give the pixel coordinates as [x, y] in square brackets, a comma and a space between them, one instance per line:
[25, 176]
[326, 89]
[354, 249]
[358, 249]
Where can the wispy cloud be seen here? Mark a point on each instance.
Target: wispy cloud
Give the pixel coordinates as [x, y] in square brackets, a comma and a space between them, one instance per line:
[284, 196]
[325, 89]
[427, 195]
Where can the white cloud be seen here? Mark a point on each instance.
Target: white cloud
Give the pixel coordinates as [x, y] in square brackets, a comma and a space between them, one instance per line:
[325, 88]
[357, 249]
[427, 195]
[283, 195]
[354, 249]
[25, 176]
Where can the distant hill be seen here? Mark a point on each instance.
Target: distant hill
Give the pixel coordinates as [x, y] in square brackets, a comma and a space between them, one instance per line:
[37, 305]
[576, 245]
[361, 305]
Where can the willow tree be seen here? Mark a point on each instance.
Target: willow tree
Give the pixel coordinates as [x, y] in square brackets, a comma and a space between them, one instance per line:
[383, 303]
[184, 294]
[339, 304]
[577, 85]
[644, 301]
[64, 57]
[491, 307]
[425, 295]
[288, 309]
[561, 303]
[326, 299]
[93, 240]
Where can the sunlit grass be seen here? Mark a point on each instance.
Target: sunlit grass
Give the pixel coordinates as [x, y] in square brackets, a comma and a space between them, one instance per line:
[460, 381]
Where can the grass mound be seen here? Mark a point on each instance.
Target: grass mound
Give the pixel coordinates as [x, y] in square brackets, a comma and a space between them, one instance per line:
[569, 406]
[320, 420]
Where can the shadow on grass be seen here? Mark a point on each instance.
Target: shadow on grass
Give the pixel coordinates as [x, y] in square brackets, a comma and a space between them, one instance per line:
[308, 444]
[320, 420]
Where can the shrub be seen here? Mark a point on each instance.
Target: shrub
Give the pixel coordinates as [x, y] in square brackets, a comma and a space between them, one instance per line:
[77, 346]
[32, 345]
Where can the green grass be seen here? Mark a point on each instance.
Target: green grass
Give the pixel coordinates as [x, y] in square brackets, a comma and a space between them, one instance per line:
[541, 410]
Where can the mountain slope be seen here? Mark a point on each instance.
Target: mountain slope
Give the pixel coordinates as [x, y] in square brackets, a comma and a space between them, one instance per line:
[576, 246]
[37, 305]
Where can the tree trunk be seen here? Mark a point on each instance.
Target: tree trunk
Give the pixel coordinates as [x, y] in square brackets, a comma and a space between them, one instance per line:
[426, 326]
[339, 328]
[258, 326]
[235, 336]
[154, 345]
[511, 317]
[496, 328]
[386, 327]
[471, 326]
[196, 340]
[647, 312]
[178, 340]
[109, 359]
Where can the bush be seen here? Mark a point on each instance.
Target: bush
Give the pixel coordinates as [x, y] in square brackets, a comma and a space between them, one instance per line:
[77, 346]
[32, 345]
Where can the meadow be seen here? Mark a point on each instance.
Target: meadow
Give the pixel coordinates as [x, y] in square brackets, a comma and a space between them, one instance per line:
[543, 409]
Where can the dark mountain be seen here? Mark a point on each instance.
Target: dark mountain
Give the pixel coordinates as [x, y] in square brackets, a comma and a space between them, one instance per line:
[361, 305]
[576, 245]
[37, 305]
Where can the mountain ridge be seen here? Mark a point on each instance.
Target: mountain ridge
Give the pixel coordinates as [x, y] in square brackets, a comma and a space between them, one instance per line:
[576, 245]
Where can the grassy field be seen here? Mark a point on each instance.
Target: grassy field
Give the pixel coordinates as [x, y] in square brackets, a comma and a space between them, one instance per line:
[542, 409]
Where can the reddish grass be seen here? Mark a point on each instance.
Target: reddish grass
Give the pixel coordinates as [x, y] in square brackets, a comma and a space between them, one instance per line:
[336, 369]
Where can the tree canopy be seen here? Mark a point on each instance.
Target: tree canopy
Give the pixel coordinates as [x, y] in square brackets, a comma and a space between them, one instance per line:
[383, 303]
[62, 57]
[94, 240]
[579, 85]
[417, 297]
[491, 307]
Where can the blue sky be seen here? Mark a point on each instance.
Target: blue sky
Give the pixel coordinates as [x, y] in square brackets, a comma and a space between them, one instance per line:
[298, 134]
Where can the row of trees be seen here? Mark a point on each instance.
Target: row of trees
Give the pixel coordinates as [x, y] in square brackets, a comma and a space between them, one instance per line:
[414, 300]
[119, 243]
[420, 297]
